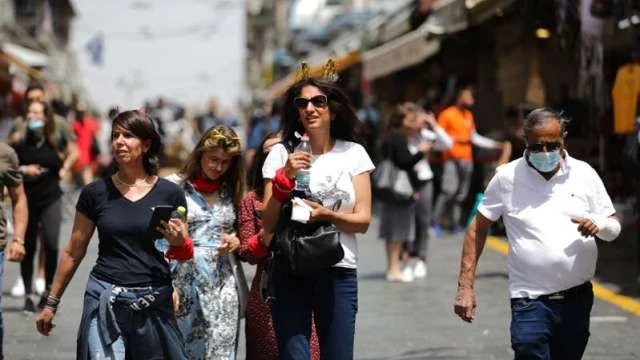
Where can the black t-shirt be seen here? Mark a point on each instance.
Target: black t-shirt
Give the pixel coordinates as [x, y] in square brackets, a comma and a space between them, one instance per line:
[44, 189]
[126, 253]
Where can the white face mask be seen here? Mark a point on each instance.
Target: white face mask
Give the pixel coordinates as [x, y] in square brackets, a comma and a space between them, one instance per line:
[545, 161]
[35, 124]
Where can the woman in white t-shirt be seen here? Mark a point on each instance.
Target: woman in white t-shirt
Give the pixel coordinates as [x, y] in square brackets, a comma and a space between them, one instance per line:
[339, 175]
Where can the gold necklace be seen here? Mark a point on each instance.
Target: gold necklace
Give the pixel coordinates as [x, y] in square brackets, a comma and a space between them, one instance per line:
[144, 181]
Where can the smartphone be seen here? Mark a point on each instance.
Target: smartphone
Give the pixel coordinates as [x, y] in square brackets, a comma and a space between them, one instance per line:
[160, 212]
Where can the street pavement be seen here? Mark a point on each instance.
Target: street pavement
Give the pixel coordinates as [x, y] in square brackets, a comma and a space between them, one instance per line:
[395, 320]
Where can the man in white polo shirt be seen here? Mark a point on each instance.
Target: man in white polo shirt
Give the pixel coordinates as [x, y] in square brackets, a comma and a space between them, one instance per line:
[553, 206]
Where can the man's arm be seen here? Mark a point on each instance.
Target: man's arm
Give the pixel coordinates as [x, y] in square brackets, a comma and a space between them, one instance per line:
[485, 142]
[474, 240]
[605, 228]
[20, 219]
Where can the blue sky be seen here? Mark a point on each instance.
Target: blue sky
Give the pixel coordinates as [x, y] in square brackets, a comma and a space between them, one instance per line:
[187, 50]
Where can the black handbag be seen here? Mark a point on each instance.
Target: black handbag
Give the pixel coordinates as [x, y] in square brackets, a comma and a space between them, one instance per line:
[302, 249]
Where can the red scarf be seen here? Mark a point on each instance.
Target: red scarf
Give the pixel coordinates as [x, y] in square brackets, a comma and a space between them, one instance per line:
[204, 185]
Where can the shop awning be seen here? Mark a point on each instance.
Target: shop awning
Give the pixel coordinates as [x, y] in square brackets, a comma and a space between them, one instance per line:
[405, 51]
[483, 10]
[27, 56]
[279, 87]
[24, 59]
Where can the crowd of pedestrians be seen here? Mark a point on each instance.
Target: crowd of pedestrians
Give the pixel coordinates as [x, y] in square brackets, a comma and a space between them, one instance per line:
[176, 291]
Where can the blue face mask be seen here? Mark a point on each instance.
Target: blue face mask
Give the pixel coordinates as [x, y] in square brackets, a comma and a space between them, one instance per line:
[545, 161]
[35, 124]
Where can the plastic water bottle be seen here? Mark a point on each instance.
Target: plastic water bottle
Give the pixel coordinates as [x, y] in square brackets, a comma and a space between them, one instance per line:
[304, 175]
[179, 213]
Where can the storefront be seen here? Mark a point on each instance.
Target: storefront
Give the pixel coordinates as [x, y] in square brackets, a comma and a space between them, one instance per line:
[343, 63]
[18, 65]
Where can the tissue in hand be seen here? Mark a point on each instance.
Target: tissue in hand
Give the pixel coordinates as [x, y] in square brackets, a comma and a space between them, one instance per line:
[300, 211]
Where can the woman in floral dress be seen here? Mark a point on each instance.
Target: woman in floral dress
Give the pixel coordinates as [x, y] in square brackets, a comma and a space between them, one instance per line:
[212, 179]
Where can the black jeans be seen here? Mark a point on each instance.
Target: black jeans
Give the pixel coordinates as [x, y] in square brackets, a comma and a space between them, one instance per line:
[546, 328]
[49, 219]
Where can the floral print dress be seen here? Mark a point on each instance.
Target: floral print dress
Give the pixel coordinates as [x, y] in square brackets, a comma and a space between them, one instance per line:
[209, 307]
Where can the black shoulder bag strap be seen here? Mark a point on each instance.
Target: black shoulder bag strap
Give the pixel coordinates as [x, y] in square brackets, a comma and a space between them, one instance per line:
[267, 286]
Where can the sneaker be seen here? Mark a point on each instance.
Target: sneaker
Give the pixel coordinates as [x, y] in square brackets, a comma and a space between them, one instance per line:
[399, 278]
[435, 232]
[39, 286]
[420, 269]
[29, 306]
[18, 289]
[407, 271]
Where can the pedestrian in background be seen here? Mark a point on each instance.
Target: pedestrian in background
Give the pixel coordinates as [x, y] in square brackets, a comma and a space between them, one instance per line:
[11, 178]
[212, 180]
[86, 128]
[427, 131]
[36, 92]
[339, 170]
[457, 120]
[553, 207]
[41, 154]
[128, 307]
[397, 221]
[263, 122]
[259, 333]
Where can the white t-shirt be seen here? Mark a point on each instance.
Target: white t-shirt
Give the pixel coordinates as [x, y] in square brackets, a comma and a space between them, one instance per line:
[330, 180]
[546, 252]
[441, 140]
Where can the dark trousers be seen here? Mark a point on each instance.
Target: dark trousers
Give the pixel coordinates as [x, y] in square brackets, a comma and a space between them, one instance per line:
[423, 215]
[332, 297]
[49, 218]
[547, 328]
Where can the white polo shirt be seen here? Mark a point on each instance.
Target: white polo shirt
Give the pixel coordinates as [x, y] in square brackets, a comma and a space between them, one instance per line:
[546, 252]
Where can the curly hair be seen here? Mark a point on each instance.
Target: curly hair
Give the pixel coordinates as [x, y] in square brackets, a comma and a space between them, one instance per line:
[255, 180]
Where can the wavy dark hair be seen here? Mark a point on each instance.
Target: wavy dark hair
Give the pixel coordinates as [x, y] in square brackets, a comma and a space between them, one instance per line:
[345, 125]
[255, 180]
[142, 127]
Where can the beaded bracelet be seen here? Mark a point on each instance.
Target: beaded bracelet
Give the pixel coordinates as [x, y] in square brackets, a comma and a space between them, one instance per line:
[52, 302]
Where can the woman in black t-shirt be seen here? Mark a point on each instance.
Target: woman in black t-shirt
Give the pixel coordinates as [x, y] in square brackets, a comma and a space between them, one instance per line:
[39, 153]
[130, 285]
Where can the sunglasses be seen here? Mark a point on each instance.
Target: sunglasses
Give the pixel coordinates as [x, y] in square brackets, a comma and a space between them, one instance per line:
[318, 101]
[540, 147]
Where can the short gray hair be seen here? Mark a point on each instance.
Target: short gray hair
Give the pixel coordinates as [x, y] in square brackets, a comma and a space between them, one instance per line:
[541, 116]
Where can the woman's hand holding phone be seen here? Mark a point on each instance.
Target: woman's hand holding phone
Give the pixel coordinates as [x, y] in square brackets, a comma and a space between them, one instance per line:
[175, 230]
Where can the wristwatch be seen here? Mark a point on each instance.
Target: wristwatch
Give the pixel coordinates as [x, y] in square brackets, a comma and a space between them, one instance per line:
[21, 242]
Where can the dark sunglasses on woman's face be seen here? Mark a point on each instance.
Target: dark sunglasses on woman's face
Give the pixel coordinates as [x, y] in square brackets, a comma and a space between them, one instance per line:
[541, 146]
[318, 101]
